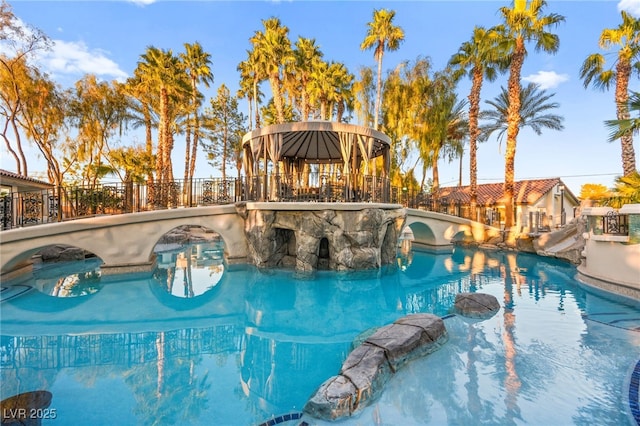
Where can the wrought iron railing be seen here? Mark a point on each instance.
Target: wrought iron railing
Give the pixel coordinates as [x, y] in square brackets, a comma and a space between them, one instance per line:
[21, 209]
[614, 223]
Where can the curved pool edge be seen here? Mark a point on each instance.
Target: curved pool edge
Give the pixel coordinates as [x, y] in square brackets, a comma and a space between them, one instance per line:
[622, 292]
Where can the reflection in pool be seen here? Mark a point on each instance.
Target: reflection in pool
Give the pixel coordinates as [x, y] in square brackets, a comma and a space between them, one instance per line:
[190, 270]
[68, 279]
[259, 344]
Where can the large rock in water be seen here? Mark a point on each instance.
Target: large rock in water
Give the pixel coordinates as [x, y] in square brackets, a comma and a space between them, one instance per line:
[369, 366]
[476, 305]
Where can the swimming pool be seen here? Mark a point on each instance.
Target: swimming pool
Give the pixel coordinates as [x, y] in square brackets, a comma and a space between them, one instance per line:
[202, 342]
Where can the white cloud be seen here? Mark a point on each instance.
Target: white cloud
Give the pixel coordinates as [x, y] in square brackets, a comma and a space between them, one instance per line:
[630, 6]
[547, 79]
[68, 58]
[142, 2]
[77, 59]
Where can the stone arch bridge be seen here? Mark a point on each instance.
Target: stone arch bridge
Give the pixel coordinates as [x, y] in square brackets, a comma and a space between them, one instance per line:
[125, 242]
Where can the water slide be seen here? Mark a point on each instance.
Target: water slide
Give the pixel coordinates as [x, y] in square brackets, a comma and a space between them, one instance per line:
[565, 243]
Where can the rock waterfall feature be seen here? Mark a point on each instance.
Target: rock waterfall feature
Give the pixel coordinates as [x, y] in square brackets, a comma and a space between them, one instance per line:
[322, 236]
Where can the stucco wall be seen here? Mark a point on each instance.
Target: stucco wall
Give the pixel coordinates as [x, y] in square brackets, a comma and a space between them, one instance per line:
[613, 258]
[613, 261]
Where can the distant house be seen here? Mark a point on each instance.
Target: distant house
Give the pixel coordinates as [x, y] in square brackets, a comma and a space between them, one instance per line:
[13, 182]
[539, 204]
[25, 201]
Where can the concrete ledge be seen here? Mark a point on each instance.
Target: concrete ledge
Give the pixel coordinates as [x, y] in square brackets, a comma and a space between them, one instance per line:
[106, 221]
[609, 237]
[129, 268]
[628, 290]
[311, 206]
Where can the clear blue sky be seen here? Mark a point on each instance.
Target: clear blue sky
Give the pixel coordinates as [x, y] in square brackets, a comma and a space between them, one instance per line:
[107, 38]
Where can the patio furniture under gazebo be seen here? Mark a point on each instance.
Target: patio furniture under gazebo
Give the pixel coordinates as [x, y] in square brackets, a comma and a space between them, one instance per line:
[275, 157]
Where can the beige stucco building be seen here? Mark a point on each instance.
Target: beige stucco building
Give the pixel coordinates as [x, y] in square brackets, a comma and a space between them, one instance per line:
[539, 204]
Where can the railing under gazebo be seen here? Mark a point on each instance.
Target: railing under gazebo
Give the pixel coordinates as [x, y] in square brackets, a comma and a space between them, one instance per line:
[20, 209]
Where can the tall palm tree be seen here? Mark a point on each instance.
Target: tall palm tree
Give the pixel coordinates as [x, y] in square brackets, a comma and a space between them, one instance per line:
[308, 55]
[165, 72]
[251, 74]
[381, 35]
[246, 91]
[626, 38]
[342, 89]
[628, 125]
[142, 113]
[321, 87]
[535, 107]
[198, 66]
[480, 58]
[524, 22]
[274, 49]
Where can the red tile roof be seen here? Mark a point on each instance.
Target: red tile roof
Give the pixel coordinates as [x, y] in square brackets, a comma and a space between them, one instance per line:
[12, 175]
[525, 192]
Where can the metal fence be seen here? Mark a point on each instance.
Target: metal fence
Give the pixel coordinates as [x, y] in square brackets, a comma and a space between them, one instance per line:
[615, 223]
[20, 209]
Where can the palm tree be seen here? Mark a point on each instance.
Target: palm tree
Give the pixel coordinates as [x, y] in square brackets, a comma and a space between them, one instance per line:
[321, 87]
[141, 113]
[535, 105]
[523, 23]
[342, 89]
[628, 125]
[251, 74]
[164, 71]
[246, 91]
[480, 57]
[198, 67]
[382, 35]
[627, 39]
[307, 55]
[626, 191]
[274, 50]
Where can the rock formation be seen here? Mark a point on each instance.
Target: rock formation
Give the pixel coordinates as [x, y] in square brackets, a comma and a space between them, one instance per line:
[369, 366]
[339, 240]
[476, 305]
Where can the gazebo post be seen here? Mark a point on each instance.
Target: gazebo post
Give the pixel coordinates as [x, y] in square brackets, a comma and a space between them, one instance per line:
[386, 183]
[266, 175]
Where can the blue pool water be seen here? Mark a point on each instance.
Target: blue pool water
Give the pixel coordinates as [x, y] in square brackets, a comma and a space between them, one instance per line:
[202, 343]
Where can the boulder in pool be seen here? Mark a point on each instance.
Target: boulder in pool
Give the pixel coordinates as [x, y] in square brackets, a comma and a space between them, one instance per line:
[476, 305]
[369, 366]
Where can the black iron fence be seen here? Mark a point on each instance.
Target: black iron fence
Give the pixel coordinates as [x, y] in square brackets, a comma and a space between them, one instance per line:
[21, 209]
[615, 223]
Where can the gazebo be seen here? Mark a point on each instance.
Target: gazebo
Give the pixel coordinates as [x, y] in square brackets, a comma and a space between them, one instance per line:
[275, 157]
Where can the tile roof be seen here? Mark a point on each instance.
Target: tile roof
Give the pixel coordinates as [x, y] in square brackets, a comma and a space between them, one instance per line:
[12, 175]
[525, 191]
